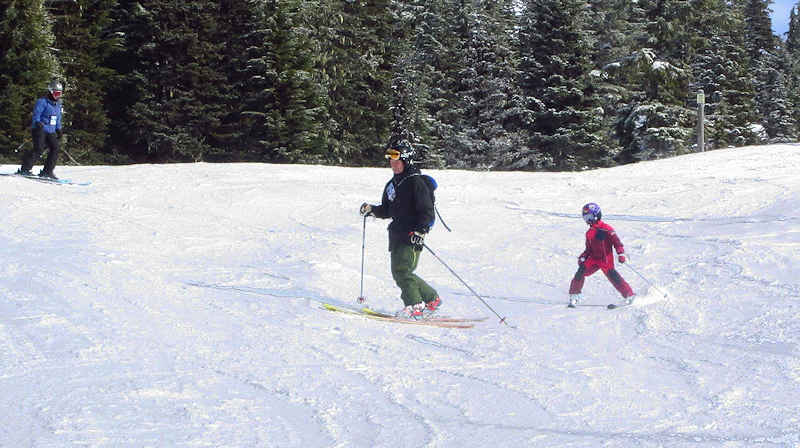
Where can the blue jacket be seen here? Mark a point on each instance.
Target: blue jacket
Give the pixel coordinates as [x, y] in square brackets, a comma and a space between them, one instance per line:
[47, 112]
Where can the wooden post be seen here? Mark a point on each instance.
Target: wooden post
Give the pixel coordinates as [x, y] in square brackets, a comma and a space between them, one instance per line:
[701, 138]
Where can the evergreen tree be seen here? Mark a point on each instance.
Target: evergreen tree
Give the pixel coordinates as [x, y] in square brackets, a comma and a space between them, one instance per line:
[493, 111]
[26, 67]
[618, 35]
[285, 107]
[489, 84]
[242, 23]
[174, 80]
[82, 31]
[793, 35]
[758, 27]
[131, 24]
[655, 122]
[769, 64]
[775, 99]
[555, 64]
[411, 75]
[793, 50]
[356, 52]
[610, 23]
[459, 74]
[720, 70]
[426, 73]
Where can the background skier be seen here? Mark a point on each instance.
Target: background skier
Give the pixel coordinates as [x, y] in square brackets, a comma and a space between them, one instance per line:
[46, 131]
[408, 201]
[599, 256]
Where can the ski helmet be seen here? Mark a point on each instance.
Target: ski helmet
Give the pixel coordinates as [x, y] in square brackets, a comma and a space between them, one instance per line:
[591, 213]
[55, 88]
[401, 150]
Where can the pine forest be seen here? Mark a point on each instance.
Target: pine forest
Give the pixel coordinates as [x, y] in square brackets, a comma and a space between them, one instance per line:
[475, 84]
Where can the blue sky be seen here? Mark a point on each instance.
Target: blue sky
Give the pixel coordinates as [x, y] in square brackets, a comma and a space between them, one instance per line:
[780, 15]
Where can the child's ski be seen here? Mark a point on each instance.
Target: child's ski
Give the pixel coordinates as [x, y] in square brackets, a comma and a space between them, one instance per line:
[613, 306]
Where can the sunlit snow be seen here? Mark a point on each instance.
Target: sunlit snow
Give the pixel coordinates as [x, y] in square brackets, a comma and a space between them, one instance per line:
[180, 305]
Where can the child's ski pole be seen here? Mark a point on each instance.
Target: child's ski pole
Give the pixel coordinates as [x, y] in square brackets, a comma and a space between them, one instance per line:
[645, 279]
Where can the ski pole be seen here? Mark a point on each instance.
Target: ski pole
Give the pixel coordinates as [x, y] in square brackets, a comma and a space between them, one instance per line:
[502, 319]
[361, 298]
[442, 219]
[645, 279]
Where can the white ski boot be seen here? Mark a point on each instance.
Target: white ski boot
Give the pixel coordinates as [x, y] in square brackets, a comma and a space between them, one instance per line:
[412, 311]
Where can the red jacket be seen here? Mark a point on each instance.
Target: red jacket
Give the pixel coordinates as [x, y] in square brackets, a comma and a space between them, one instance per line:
[599, 239]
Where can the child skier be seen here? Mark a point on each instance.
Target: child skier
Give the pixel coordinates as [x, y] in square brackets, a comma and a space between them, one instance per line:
[598, 256]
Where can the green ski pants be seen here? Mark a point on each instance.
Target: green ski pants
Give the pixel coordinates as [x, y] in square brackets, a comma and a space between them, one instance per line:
[413, 289]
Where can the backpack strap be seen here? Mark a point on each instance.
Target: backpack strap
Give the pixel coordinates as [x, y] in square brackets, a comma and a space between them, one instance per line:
[433, 185]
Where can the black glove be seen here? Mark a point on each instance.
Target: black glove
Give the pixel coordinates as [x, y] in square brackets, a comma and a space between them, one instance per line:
[59, 133]
[39, 125]
[365, 210]
[417, 239]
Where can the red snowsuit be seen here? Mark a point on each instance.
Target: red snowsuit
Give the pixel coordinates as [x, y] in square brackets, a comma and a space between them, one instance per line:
[598, 256]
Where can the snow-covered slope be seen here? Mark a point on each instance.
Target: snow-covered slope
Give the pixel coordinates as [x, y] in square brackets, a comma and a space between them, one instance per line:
[179, 305]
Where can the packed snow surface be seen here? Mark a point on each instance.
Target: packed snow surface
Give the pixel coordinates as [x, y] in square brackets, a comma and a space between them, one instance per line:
[180, 305]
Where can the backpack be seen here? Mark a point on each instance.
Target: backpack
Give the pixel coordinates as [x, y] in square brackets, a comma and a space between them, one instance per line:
[432, 186]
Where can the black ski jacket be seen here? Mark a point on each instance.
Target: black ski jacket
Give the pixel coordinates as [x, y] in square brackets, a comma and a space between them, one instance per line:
[407, 199]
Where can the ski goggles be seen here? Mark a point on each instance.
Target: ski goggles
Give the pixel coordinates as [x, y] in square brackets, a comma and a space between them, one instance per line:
[589, 218]
[393, 154]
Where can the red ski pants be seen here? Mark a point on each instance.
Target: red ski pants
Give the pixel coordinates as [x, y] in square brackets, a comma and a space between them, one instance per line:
[576, 286]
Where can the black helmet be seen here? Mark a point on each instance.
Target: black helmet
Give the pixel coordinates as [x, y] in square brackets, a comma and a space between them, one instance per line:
[55, 88]
[402, 150]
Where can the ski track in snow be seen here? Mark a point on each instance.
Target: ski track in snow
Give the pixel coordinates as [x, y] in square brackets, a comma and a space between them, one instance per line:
[179, 305]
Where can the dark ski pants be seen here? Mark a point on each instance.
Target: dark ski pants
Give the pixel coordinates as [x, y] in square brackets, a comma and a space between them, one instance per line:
[41, 140]
[413, 289]
[576, 286]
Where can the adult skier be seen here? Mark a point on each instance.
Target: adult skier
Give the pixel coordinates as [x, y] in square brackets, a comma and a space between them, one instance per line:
[600, 238]
[46, 131]
[408, 201]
